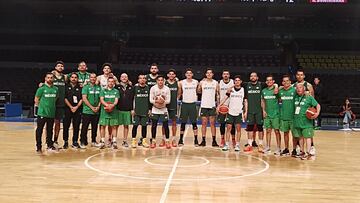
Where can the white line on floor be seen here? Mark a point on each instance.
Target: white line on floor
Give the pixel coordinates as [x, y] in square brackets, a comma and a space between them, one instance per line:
[168, 182]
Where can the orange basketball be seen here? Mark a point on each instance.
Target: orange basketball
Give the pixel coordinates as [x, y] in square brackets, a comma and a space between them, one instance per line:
[109, 109]
[223, 109]
[310, 112]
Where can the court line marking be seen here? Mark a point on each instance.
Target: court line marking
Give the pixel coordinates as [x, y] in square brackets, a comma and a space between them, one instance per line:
[185, 166]
[267, 166]
[171, 175]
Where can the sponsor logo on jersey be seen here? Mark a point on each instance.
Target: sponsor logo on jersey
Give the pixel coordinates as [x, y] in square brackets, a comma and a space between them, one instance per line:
[173, 88]
[49, 95]
[110, 96]
[287, 98]
[142, 95]
[254, 91]
[270, 97]
[58, 83]
[209, 88]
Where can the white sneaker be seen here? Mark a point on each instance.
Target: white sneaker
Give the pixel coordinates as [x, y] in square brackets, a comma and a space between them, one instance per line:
[95, 144]
[267, 150]
[237, 148]
[56, 145]
[82, 146]
[102, 145]
[312, 151]
[298, 150]
[277, 152]
[225, 148]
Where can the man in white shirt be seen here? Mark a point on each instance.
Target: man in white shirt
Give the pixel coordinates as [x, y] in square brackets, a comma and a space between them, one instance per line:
[159, 97]
[209, 90]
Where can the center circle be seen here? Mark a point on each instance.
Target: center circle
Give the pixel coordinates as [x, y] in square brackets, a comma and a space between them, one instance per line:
[184, 161]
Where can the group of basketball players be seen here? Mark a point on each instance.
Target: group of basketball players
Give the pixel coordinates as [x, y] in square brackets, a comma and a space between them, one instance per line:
[87, 98]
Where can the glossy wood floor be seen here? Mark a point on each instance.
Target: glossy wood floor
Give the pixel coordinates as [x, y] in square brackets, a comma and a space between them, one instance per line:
[178, 175]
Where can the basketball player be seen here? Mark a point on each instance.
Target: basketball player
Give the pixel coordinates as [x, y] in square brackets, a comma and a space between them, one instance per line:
[237, 100]
[209, 90]
[107, 72]
[287, 109]
[90, 114]
[125, 105]
[159, 97]
[83, 75]
[109, 98]
[254, 113]
[102, 81]
[45, 100]
[59, 82]
[172, 83]
[300, 79]
[151, 77]
[73, 101]
[187, 92]
[303, 127]
[141, 110]
[225, 84]
[271, 113]
[151, 81]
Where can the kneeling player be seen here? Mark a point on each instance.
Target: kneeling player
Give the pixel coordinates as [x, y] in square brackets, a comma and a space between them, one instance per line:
[303, 127]
[159, 97]
[237, 100]
[141, 110]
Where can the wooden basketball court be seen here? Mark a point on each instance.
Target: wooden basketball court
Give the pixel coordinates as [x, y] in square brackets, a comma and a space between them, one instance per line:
[185, 174]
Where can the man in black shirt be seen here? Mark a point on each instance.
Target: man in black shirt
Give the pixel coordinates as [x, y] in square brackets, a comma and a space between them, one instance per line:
[318, 93]
[125, 105]
[73, 101]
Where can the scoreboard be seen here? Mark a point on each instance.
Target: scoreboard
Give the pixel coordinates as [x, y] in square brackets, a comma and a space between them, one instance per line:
[270, 1]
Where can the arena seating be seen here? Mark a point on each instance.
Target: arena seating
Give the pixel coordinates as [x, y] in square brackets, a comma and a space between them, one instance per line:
[329, 61]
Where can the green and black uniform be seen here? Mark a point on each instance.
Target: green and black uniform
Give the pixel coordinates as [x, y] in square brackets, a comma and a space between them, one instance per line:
[303, 127]
[287, 108]
[272, 119]
[48, 95]
[60, 103]
[125, 104]
[172, 107]
[92, 93]
[109, 118]
[150, 81]
[83, 78]
[141, 105]
[254, 114]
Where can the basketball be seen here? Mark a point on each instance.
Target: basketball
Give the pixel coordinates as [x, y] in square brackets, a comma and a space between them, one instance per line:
[109, 109]
[160, 99]
[310, 112]
[223, 109]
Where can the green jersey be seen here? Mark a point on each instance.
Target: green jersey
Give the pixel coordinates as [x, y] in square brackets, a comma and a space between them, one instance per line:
[60, 84]
[48, 96]
[302, 103]
[271, 103]
[141, 100]
[92, 93]
[287, 109]
[253, 92]
[173, 95]
[109, 96]
[83, 78]
[150, 81]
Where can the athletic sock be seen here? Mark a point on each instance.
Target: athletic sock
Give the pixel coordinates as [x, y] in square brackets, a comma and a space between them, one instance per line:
[261, 142]
[214, 138]
[103, 139]
[181, 136]
[250, 141]
[203, 139]
[114, 139]
[196, 137]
